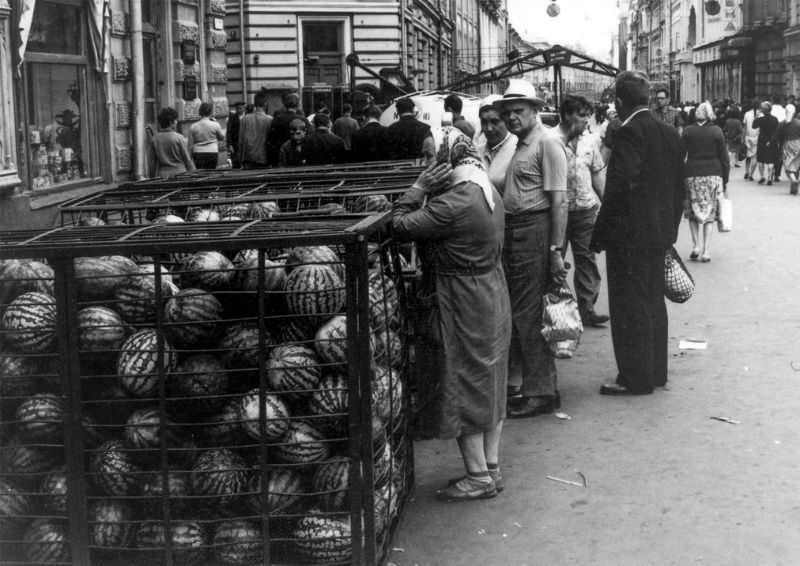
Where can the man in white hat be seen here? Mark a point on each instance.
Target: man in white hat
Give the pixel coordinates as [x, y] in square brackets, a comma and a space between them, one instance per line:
[535, 200]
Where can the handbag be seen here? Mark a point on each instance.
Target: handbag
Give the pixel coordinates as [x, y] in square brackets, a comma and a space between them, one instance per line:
[725, 218]
[561, 321]
[678, 282]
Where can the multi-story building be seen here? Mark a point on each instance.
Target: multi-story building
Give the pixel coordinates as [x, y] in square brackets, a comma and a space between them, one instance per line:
[89, 77]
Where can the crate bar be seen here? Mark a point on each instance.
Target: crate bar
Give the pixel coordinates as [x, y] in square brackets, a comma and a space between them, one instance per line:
[66, 294]
[262, 413]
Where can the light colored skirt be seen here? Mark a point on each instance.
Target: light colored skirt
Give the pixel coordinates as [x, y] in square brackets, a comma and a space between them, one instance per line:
[791, 156]
[701, 198]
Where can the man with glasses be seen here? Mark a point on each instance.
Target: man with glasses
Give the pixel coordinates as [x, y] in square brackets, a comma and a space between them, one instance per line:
[663, 111]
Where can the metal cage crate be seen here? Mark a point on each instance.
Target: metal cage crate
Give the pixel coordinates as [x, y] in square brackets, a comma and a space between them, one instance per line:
[222, 393]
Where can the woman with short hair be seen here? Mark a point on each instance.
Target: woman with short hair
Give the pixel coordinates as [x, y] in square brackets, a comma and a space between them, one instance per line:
[168, 152]
[204, 138]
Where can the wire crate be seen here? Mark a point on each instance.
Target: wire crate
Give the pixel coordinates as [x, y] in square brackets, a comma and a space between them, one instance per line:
[244, 404]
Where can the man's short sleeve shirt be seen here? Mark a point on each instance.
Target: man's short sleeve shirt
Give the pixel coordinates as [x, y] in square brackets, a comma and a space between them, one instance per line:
[539, 166]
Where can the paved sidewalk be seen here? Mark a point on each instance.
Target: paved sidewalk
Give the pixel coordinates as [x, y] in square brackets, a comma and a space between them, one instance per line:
[667, 484]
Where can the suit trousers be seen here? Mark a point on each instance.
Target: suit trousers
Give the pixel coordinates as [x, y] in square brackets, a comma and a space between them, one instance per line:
[638, 316]
[526, 261]
[586, 280]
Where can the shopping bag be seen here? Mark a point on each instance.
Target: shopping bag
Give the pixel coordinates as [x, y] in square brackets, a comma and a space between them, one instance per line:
[725, 218]
[561, 321]
[678, 282]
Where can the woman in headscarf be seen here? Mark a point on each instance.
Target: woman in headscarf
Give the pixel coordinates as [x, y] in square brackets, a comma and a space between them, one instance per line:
[457, 216]
[707, 168]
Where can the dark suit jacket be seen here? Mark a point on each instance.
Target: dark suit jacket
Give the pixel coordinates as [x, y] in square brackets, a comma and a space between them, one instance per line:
[370, 143]
[324, 148]
[406, 137]
[644, 187]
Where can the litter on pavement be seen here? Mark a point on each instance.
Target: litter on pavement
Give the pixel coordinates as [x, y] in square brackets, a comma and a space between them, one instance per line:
[563, 416]
[727, 420]
[582, 483]
[692, 345]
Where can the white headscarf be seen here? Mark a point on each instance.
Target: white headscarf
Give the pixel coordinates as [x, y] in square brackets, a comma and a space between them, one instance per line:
[454, 147]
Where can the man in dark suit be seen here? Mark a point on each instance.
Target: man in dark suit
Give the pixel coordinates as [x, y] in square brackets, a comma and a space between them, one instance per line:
[322, 147]
[407, 134]
[370, 143]
[637, 224]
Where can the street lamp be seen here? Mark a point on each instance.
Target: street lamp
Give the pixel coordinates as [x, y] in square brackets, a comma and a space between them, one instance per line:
[553, 9]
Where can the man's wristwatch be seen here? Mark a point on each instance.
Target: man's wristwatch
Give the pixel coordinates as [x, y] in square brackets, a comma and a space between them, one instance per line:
[558, 249]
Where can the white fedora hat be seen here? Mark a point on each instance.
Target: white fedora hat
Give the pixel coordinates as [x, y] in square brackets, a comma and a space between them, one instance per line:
[519, 90]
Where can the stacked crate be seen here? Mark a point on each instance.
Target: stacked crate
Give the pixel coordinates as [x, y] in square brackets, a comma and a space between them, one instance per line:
[209, 393]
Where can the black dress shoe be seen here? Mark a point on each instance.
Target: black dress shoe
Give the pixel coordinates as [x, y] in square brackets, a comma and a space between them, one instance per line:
[617, 389]
[594, 319]
[532, 407]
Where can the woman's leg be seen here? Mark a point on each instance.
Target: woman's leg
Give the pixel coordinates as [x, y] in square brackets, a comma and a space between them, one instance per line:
[761, 171]
[694, 228]
[472, 452]
[491, 444]
[708, 230]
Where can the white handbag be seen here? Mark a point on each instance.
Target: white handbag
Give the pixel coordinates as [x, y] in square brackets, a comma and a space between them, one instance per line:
[725, 219]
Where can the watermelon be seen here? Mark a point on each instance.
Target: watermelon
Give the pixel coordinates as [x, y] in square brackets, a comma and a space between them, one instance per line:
[210, 271]
[110, 523]
[153, 492]
[246, 263]
[219, 471]
[315, 291]
[90, 220]
[238, 210]
[186, 538]
[54, 491]
[13, 504]
[224, 428]
[238, 543]
[275, 413]
[303, 444]
[298, 329]
[201, 379]
[143, 428]
[384, 305]
[20, 277]
[137, 365]
[322, 539]
[239, 348]
[372, 203]
[384, 465]
[113, 470]
[387, 393]
[319, 255]
[99, 329]
[264, 209]
[331, 400]
[19, 376]
[388, 348]
[192, 316]
[203, 215]
[24, 460]
[135, 295]
[46, 541]
[29, 322]
[97, 277]
[41, 417]
[293, 368]
[332, 483]
[284, 489]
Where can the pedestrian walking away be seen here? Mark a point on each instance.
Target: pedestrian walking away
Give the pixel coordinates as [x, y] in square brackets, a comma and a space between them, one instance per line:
[323, 147]
[407, 135]
[788, 138]
[707, 169]
[345, 126]
[169, 150]
[637, 224]
[585, 184]
[457, 217]
[750, 139]
[454, 105]
[254, 129]
[371, 142]
[535, 199]
[766, 152]
[204, 138]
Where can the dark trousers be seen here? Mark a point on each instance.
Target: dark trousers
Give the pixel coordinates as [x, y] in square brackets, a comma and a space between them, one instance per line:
[638, 316]
[586, 280]
[526, 261]
[205, 160]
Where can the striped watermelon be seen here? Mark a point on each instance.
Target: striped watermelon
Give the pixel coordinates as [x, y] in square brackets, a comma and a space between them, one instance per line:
[298, 329]
[388, 348]
[19, 376]
[203, 215]
[97, 277]
[224, 428]
[143, 429]
[265, 209]
[293, 368]
[247, 273]
[330, 341]
[384, 305]
[99, 329]
[113, 470]
[137, 365]
[192, 316]
[384, 465]
[238, 543]
[332, 483]
[46, 541]
[210, 271]
[331, 400]
[29, 323]
[219, 471]
[20, 277]
[187, 540]
[24, 461]
[199, 381]
[303, 444]
[238, 209]
[315, 291]
[177, 488]
[239, 347]
[54, 492]
[91, 220]
[372, 203]
[41, 417]
[387, 393]
[275, 413]
[110, 523]
[284, 490]
[321, 539]
[13, 504]
[135, 295]
[311, 255]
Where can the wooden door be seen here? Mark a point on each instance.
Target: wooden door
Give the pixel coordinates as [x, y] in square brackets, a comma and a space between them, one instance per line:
[323, 53]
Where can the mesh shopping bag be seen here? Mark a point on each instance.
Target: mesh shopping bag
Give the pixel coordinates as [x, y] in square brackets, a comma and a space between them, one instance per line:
[678, 282]
[561, 321]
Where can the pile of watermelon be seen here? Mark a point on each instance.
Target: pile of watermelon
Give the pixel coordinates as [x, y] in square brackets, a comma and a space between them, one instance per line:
[203, 422]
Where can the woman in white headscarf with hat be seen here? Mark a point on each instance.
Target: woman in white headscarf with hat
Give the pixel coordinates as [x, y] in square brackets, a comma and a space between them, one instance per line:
[457, 217]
